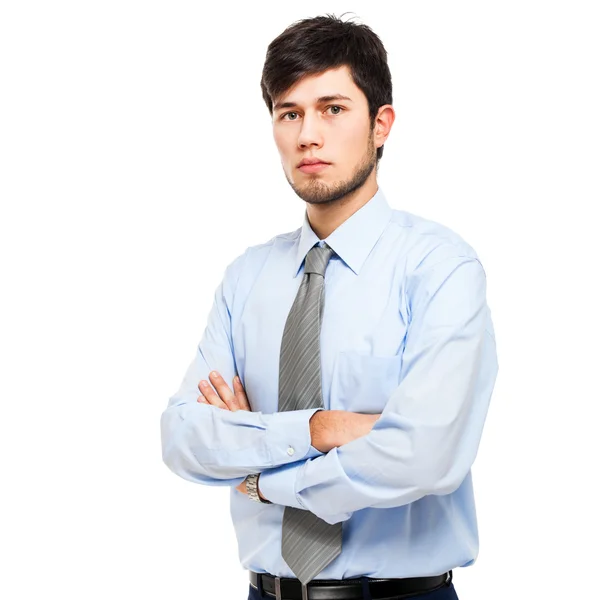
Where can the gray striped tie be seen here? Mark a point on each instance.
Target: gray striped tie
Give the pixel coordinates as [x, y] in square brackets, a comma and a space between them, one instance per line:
[308, 544]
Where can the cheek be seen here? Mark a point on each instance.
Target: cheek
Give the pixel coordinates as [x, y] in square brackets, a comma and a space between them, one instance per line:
[359, 144]
[357, 136]
[352, 148]
[282, 140]
[285, 153]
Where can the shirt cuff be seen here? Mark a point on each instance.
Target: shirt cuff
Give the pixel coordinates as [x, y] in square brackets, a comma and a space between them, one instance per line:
[279, 485]
[288, 436]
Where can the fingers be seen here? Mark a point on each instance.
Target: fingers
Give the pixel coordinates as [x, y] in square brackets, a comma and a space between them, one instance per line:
[240, 394]
[223, 397]
[224, 391]
[209, 396]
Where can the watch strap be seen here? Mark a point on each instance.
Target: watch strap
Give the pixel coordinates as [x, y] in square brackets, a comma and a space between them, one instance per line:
[252, 488]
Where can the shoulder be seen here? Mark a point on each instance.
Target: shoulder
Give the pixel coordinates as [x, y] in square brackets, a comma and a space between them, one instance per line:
[259, 252]
[426, 242]
[255, 256]
[433, 256]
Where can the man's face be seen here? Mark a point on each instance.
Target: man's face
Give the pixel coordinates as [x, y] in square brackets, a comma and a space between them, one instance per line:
[334, 130]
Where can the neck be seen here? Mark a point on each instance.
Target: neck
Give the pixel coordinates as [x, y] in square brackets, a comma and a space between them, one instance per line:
[326, 218]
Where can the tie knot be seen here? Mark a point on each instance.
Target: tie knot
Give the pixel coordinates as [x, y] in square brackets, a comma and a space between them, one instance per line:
[317, 259]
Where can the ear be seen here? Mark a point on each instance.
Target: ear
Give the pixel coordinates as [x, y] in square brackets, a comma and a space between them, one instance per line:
[383, 124]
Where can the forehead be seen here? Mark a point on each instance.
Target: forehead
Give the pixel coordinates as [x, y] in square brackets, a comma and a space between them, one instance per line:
[312, 87]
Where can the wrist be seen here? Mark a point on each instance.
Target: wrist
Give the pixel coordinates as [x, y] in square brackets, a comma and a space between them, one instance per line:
[258, 488]
[320, 434]
[252, 489]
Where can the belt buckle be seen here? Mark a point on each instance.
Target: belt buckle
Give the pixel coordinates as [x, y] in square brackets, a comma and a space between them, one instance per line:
[278, 589]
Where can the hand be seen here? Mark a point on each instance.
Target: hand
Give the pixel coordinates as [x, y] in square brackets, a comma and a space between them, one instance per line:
[227, 399]
[333, 428]
[354, 425]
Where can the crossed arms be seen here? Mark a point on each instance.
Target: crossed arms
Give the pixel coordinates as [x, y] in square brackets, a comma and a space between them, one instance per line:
[328, 429]
[424, 441]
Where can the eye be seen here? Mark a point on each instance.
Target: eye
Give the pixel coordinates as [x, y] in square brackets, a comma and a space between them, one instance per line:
[340, 109]
[288, 113]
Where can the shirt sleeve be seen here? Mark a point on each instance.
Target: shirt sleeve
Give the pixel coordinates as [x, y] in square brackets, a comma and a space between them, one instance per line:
[214, 446]
[429, 431]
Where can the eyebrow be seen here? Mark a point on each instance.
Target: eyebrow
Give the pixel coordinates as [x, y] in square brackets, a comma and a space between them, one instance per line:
[320, 100]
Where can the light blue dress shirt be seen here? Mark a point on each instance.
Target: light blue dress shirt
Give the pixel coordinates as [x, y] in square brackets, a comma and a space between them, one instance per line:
[407, 333]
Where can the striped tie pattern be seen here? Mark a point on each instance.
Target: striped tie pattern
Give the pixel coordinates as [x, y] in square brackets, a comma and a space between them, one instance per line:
[308, 543]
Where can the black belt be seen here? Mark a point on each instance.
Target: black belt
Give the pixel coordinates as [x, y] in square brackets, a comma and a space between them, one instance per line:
[346, 589]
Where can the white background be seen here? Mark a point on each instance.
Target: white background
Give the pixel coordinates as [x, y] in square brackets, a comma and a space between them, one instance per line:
[137, 161]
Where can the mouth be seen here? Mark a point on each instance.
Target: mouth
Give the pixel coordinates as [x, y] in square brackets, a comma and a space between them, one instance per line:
[314, 167]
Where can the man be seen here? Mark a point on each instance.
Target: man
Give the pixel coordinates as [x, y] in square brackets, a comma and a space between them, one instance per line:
[365, 351]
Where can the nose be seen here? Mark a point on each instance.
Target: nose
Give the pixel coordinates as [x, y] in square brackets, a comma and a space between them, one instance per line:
[310, 133]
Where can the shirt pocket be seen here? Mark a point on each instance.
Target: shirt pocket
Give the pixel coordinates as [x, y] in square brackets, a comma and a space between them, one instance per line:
[363, 383]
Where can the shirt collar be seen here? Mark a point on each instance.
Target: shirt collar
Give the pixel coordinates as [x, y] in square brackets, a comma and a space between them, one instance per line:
[354, 238]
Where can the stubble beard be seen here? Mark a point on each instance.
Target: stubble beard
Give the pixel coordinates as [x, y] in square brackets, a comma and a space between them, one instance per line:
[318, 192]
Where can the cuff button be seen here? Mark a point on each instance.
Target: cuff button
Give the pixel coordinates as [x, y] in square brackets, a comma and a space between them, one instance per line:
[290, 451]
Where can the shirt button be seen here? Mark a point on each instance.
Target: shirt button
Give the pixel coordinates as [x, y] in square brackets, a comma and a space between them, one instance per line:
[290, 451]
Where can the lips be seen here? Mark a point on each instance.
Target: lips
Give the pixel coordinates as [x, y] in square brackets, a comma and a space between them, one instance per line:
[311, 161]
[313, 167]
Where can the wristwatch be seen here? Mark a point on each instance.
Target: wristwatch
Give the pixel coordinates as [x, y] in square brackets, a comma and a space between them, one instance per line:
[252, 488]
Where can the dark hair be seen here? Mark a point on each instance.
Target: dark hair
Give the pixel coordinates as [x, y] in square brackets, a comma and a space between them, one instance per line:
[315, 45]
